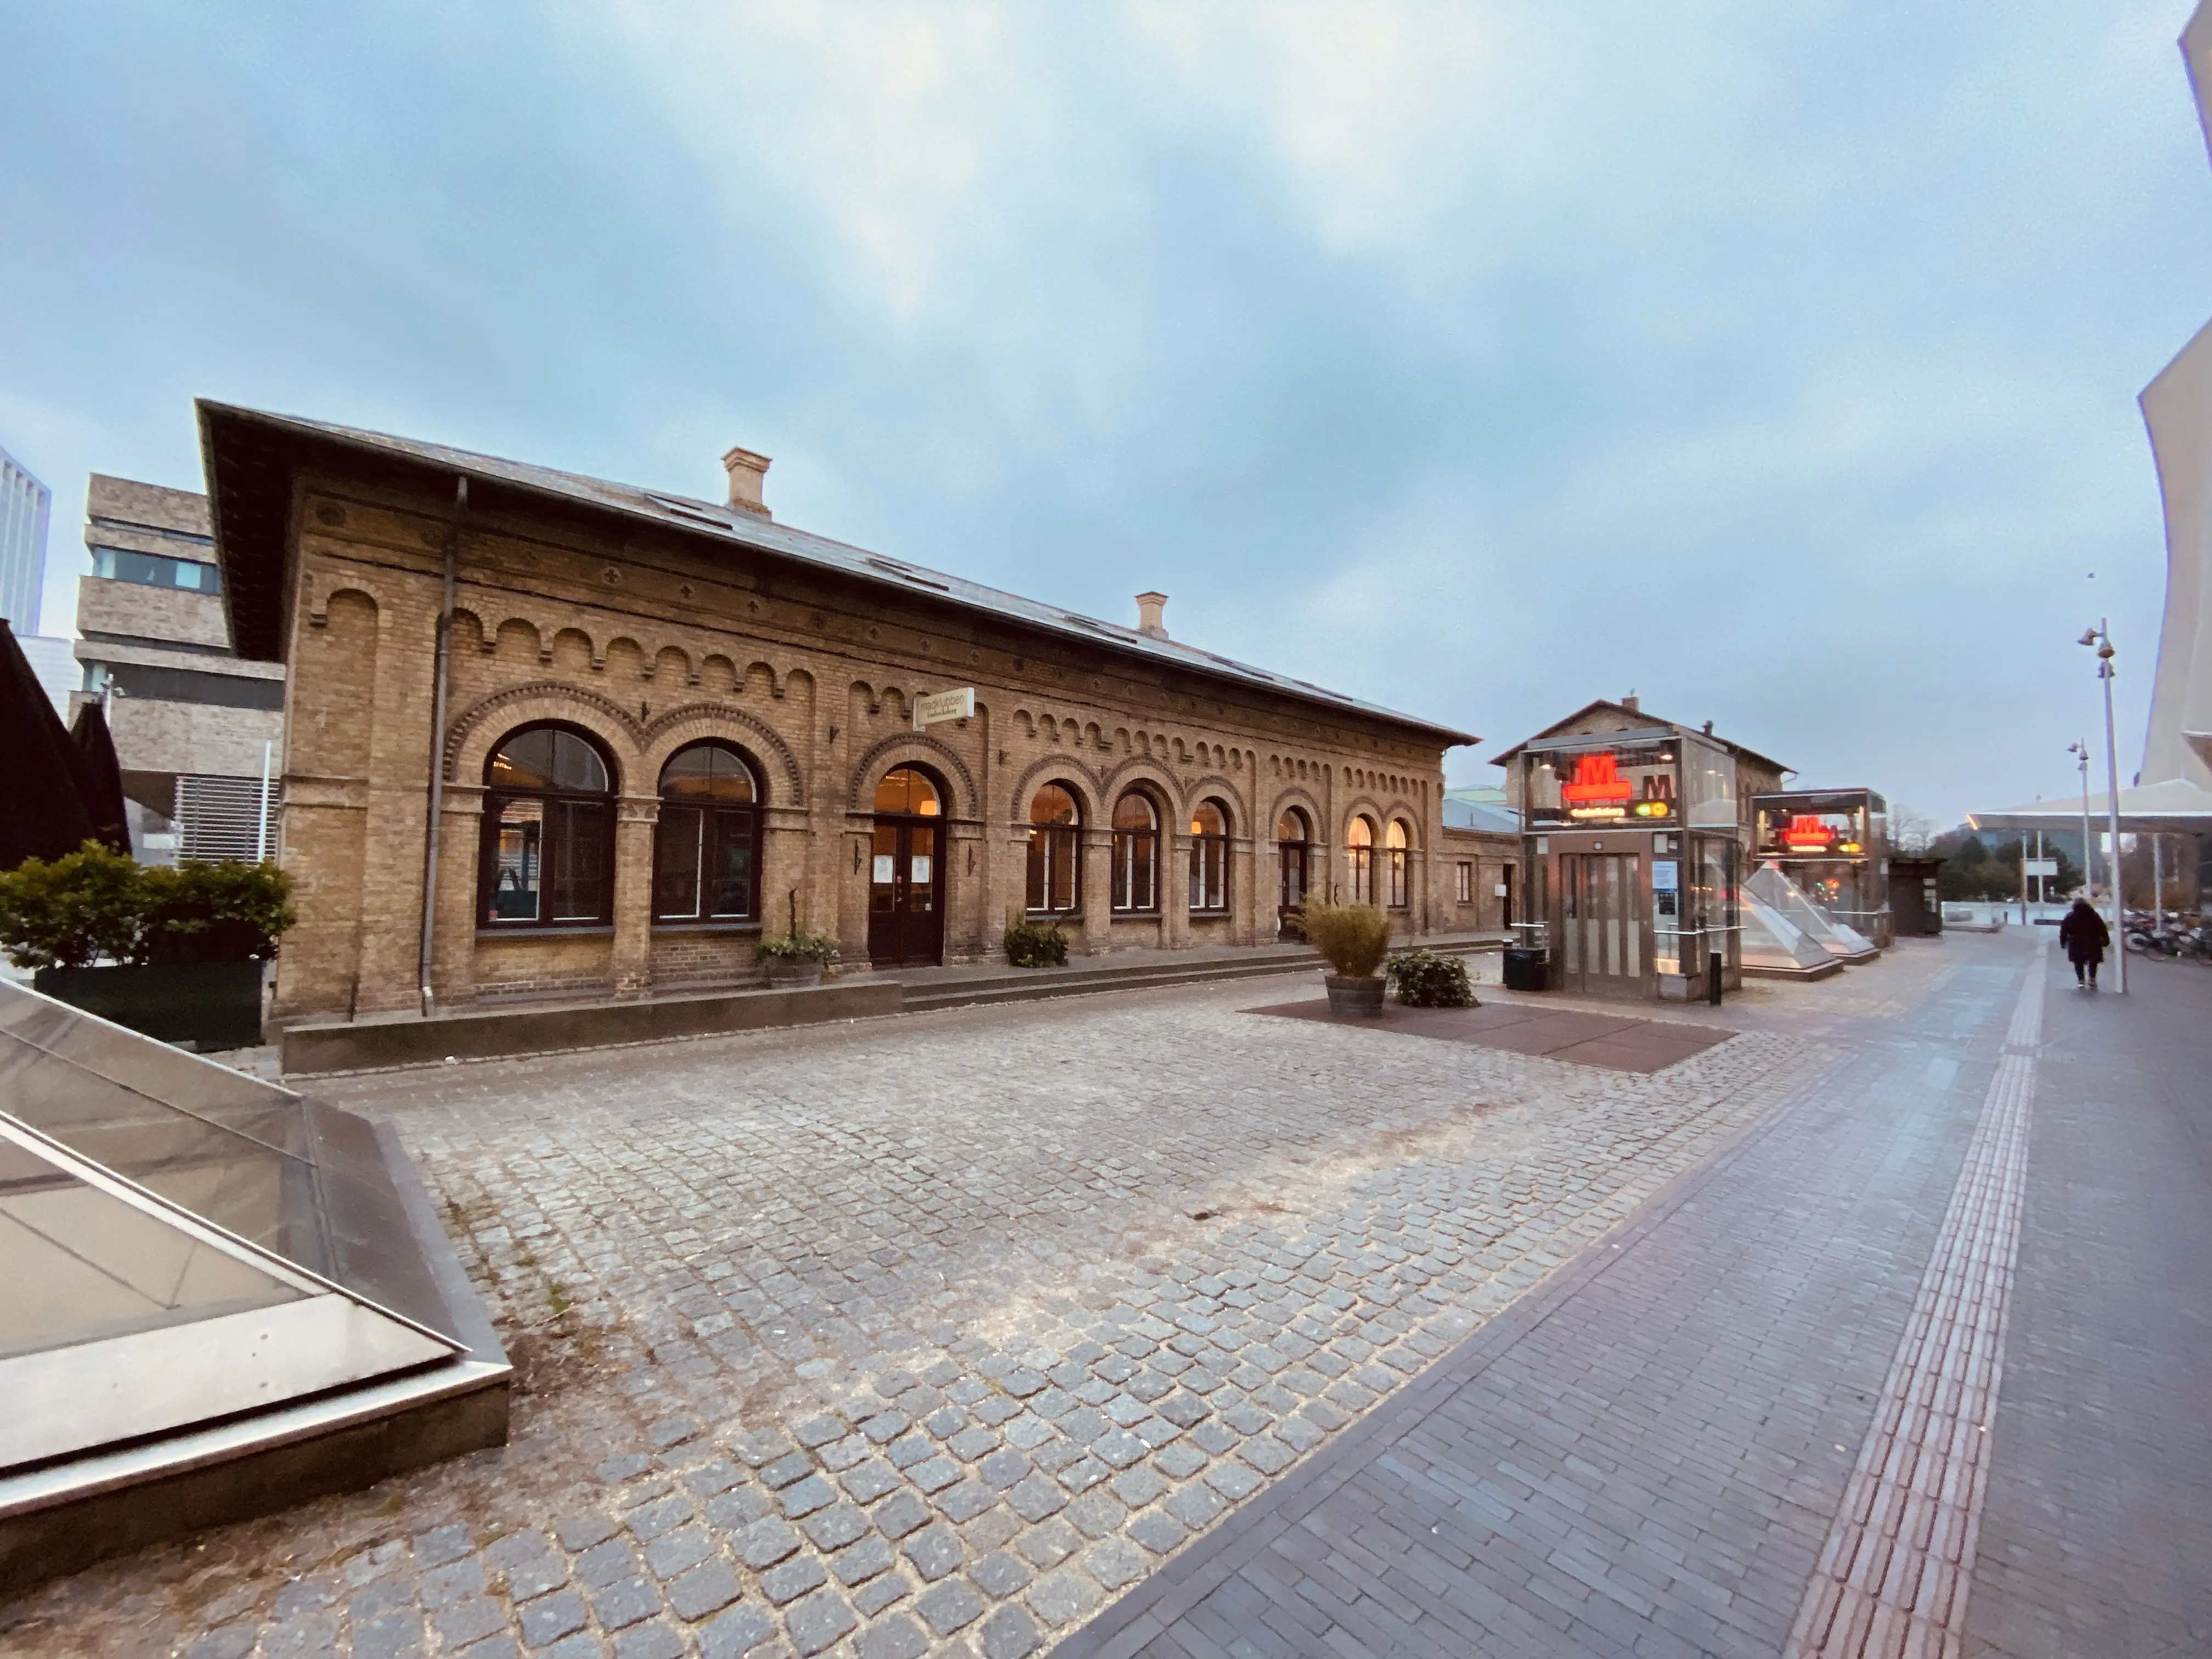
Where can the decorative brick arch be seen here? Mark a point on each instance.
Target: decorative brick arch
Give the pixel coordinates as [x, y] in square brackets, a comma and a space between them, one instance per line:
[1138, 769]
[886, 752]
[1399, 811]
[541, 700]
[1214, 784]
[1358, 806]
[320, 588]
[1053, 769]
[671, 731]
[1317, 819]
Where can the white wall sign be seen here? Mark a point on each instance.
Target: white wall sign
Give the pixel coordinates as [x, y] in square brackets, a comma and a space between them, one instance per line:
[941, 706]
[2041, 867]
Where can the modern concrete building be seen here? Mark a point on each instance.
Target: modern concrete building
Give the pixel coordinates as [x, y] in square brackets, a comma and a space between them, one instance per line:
[25, 505]
[194, 723]
[659, 725]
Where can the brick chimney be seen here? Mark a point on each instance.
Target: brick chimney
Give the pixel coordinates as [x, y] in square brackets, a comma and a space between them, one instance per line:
[1629, 702]
[1150, 607]
[746, 470]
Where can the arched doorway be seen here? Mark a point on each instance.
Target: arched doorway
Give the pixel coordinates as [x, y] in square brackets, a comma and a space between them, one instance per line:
[906, 874]
[1293, 837]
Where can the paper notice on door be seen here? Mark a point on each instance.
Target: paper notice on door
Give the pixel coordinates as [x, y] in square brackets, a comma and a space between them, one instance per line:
[1663, 873]
[886, 870]
[920, 875]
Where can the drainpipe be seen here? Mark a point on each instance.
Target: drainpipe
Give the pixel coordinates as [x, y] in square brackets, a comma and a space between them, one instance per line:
[440, 673]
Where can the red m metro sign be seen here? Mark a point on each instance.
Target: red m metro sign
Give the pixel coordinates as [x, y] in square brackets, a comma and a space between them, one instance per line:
[1596, 782]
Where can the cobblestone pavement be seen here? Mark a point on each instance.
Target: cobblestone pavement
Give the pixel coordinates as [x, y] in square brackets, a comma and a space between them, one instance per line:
[1648, 1454]
[927, 1335]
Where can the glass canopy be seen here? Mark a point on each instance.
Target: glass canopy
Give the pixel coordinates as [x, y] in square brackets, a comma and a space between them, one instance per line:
[180, 1242]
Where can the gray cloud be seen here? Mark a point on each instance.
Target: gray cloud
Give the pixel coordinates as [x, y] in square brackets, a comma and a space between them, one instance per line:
[1477, 360]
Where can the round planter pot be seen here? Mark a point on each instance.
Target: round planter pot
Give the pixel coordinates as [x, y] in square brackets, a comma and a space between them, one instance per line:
[1360, 997]
[787, 970]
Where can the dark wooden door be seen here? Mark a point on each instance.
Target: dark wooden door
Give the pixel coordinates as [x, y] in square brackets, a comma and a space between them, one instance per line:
[905, 893]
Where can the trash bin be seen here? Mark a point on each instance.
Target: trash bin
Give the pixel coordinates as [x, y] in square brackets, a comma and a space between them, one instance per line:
[1528, 969]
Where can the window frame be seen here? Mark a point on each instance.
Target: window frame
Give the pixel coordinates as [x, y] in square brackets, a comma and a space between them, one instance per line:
[1135, 851]
[1359, 858]
[1053, 846]
[551, 842]
[1397, 862]
[1465, 884]
[1209, 861]
[710, 837]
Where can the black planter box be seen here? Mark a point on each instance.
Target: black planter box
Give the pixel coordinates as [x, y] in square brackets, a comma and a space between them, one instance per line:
[1528, 970]
[208, 1006]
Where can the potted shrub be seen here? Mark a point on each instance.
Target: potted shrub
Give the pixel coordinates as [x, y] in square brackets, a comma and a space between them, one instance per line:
[177, 954]
[797, 957]
[1035, 943]
[1353, 938]
[1429, 979]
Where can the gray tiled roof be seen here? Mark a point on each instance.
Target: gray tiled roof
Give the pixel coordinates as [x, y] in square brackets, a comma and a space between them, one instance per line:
[761, 535]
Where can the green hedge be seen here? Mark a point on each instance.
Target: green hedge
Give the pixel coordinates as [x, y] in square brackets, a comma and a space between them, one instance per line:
[1426, 979]
[93, 905]
[1035, 944]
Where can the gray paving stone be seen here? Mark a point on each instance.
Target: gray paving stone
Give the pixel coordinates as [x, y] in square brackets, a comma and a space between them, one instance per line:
[551, 1617]
[1010, 1633]
[677, 1552]
[934, 1551]
[949, 1606]
[764, 1543]
[625, 1603]
[464, 1622]
[868, 1481]
[873, 1597]
[706, 1589]
[1158, 1531]
[794, 1578]
[863, 1561]
[441, 1545]
[897, 1638]
[737, 1633]
[835, 1526]
[603, 1564]
[818, 1621]
[999, 1574]
[1062, 1597]
[899, 1514]
[654, 1641]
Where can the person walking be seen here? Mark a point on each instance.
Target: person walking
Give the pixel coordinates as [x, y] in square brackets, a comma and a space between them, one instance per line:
[2084, 937]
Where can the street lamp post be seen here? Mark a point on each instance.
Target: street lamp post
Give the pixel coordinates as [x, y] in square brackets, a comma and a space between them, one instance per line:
[2100, 636]
[2081, 753]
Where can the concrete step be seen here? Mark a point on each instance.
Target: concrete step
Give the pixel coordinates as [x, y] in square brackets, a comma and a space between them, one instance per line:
[1036, 984]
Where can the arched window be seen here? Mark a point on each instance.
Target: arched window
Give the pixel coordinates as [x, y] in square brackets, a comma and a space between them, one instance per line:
[1055, 859]
[1209, 857]
[549, 828]
[907, 793]
[1395, 841]
[1293, 837]
[706, 849]
[1136, 853]
[1360, 857]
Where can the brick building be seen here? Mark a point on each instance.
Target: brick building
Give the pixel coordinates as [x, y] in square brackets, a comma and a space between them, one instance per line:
[669, 723]
[194, 722]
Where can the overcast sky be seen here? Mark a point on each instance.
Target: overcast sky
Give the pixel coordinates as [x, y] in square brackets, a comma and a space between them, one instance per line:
[1778, 362]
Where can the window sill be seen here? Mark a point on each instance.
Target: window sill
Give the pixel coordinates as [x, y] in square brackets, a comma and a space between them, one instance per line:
[1210, 916]
[705, 926]
[1052, 916]
[552, 930]
[1136, 916]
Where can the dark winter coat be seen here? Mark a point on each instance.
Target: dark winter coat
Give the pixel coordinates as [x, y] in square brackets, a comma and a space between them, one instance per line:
[2084, 935]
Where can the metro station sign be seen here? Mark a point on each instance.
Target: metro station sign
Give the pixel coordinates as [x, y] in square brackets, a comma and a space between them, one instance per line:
[1597, 790]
